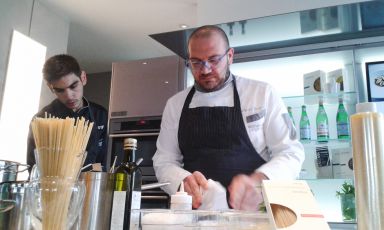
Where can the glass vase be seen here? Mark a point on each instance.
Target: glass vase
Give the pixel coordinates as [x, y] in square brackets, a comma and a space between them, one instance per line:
[348, 209]
[54, 203]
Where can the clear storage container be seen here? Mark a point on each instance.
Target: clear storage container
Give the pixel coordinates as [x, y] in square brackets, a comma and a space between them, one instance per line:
[165, 219]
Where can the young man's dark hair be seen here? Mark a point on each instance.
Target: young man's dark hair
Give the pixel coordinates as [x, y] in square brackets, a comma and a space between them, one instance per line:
[59, 66]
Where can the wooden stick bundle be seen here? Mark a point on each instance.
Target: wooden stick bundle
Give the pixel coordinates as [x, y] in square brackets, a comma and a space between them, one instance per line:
[60, 154]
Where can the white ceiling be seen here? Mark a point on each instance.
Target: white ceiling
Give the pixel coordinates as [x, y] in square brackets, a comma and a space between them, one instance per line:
[102, 32]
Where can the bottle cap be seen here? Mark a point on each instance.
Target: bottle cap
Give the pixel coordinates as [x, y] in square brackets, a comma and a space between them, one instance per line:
[321, 100]
[181, 197]
[130, 143]
[366, 107]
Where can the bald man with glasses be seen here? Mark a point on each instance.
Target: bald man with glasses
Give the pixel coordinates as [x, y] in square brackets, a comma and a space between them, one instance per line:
[230, 129]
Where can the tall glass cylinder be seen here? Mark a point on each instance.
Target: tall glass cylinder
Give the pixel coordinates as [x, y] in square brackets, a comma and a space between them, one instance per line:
[367, 129]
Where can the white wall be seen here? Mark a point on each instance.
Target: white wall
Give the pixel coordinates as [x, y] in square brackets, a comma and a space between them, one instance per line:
[35, 20]
[13, 15]
[52, 31]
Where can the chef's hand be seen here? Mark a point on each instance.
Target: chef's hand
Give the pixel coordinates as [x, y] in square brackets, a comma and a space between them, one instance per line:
[192, 184]
[245, 191]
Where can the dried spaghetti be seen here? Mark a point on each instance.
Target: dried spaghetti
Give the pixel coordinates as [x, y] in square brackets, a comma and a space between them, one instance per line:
[284, 217]
[60, 145]
[60, 154]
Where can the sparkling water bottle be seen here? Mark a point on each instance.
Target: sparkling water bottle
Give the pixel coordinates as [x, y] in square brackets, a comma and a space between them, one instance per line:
[322, 128]
[305, 127]
[291, 115]
[342, 121]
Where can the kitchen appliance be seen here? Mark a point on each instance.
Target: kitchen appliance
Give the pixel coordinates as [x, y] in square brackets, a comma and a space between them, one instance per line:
[145, 130]
[142, 87]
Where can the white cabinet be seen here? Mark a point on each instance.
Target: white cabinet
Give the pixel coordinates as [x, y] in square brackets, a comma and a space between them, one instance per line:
[141, 88]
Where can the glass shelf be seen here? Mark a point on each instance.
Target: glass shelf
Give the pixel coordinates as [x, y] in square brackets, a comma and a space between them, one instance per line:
[349, 98]
[330, 142]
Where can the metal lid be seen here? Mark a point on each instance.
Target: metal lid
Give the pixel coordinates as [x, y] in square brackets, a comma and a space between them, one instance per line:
[130, 143]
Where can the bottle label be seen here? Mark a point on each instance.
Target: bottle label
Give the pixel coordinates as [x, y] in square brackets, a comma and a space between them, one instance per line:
[118, 208]
[322, 129]
[136, 199]
[120, 182]
[342, 129]
[305, 133]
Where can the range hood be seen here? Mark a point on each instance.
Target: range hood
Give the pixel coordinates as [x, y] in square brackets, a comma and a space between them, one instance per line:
[176, 41]
[307, 27]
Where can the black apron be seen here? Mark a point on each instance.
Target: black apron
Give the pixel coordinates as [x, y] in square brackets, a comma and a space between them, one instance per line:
[214, 141]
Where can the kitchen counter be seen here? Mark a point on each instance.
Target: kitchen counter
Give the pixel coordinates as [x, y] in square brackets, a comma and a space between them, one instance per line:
[342, 226]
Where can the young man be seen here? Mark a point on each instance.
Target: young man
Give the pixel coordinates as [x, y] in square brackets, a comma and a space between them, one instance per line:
[66, 80]
[226, 128]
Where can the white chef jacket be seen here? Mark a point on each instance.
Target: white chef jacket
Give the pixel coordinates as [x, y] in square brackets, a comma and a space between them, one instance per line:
[264, 115]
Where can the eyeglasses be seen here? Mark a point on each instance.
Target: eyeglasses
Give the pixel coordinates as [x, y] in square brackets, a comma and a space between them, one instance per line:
[212, 62]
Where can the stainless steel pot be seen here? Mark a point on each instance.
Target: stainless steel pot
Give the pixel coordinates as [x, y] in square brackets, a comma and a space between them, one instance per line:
[6, 205]
[13, 215]
[10, 203]
[9, 170]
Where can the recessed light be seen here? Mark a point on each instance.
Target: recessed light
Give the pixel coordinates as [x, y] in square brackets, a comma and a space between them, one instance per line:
[183, 26]
[144, 63]
[166, 82]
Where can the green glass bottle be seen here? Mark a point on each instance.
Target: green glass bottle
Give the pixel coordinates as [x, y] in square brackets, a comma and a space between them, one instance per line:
[322, 128]
[342, 121]
[291, 115]
[121, 181]
[305, 126]
[127, 181]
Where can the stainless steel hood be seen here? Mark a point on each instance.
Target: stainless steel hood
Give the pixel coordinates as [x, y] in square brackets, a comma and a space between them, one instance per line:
[307, 27]
[176, 41]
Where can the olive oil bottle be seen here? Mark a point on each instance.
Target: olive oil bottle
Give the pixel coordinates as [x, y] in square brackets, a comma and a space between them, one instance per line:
[123, 169]
[127, 192]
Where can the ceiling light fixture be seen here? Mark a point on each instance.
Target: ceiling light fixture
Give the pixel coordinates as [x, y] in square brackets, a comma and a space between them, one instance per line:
[144, 63]
[183, 26]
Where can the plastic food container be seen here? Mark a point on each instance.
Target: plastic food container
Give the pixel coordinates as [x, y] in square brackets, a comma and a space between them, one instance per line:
[165, 219]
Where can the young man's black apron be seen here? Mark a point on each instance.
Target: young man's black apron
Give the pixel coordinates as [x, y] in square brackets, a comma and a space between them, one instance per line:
[214, 141]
